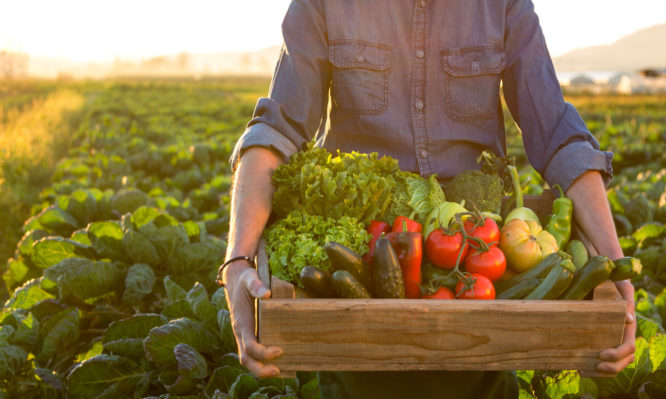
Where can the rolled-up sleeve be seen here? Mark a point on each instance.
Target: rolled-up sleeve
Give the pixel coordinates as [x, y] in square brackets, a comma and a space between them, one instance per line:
[298, 97]
[557, 142]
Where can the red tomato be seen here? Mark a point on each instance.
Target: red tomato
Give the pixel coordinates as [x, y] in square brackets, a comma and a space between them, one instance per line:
[483, 288]
[441, 293]
[489, 232]
[442, 249]
[491, 263]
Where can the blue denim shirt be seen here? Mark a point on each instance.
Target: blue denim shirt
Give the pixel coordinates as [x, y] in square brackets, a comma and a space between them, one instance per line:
[420, 81]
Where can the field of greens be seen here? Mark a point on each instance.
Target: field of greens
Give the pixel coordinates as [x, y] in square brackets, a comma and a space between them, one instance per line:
[114, 218]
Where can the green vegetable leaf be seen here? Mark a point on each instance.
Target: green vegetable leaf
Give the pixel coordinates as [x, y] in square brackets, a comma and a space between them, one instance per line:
[51, 250]
[139, 282]
[140, 249]
[58, 221]
[144, 215]
[107, 376]
[648, 328]
[174, 291]
[17, 272]
[12, 359]
[244, 386]
[107, 240]
[125, 337]
[128, 200]
[28, 239]
[159, 344]
[27, 295]
[90, 280]
[222, 379]
[58, 332]
[197, 297]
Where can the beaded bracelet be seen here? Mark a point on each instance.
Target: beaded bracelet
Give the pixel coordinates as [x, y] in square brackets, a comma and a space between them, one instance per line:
[227, 263]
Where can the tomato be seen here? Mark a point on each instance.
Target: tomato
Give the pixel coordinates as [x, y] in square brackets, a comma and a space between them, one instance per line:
[483, 288]
[490, 263]
[525, 243]
[488, 231]
[443, 249]
[441, 293]
[403, 223]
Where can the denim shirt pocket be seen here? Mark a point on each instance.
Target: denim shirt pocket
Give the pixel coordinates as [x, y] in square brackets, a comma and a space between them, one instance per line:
[471, 81]
[360, 76]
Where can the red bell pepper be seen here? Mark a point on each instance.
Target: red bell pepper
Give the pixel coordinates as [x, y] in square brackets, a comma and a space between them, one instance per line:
[409, 248]
[375, 229]
[403, 223]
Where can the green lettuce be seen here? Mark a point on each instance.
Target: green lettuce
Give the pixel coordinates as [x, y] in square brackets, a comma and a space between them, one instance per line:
[349, 184]
[298, 240]
[414, 197]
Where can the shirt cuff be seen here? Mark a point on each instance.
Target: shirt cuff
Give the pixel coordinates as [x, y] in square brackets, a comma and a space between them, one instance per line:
[573, 160]
[262, 135]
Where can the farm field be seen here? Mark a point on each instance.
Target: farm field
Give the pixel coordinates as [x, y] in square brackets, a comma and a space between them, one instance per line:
[113, 213]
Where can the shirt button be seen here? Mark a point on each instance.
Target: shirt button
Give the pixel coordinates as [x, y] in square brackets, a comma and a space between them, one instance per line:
[420, 53]
[424, 154]
[419, 105]
[360, 58]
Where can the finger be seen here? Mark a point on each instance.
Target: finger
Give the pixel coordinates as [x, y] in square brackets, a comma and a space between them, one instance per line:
[627, 348]
[261, 352]
[257, 368]
[613, 368]
[257, 288]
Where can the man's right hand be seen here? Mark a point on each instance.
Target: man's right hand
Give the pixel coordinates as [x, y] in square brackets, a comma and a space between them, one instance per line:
[243, 286]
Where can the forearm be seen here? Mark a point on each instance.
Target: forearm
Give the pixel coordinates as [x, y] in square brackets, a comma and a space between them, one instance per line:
[592, 213]
[251, 199]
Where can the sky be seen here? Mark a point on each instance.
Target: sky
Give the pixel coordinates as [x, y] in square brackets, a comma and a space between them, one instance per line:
[101, 30]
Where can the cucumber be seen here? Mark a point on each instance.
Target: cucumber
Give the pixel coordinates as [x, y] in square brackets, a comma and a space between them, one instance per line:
[345, 285]
[316, 282]
[539, 271]
[556, 282]
[520, 290]
[343, 258]
[386, 271]
[578, 253]
[597, 270]
[626, 268]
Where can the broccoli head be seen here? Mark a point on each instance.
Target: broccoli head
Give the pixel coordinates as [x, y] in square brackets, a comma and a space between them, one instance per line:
[479, 190]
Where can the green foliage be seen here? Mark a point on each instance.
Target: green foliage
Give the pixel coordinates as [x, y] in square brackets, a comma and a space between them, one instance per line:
[349, 184]
[298, 240]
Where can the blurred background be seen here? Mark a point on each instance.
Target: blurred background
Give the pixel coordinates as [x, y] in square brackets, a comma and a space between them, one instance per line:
[596, 45]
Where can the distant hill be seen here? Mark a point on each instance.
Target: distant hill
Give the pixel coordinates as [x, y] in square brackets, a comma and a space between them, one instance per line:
[642, 49]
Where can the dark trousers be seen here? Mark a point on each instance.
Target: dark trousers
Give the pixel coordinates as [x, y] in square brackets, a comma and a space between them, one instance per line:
[418, 385]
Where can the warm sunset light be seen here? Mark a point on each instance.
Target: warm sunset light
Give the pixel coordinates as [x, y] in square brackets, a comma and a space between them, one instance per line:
[102, 30]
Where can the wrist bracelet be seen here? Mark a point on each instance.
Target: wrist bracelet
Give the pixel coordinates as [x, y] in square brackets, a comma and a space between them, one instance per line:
[226, 263]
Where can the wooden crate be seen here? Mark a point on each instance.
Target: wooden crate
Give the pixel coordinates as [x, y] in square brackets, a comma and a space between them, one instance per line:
[418, 334]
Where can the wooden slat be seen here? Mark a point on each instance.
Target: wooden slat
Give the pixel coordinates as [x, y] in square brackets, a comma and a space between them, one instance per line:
[281, 289]
[262, 264]
[384, 334]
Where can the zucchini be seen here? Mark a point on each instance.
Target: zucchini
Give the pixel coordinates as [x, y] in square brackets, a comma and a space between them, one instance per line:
[520, 290]
[343, 258]
[316, 282]
[597, 270]
[626, 268]
[578, 253]
[539, 271]
[386, 271]
[345, 285]
[556, 282]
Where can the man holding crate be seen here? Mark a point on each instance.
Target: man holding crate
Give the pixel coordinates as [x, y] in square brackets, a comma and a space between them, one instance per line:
[419, 81]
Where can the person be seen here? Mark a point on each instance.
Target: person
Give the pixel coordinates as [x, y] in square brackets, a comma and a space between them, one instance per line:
[419, 81]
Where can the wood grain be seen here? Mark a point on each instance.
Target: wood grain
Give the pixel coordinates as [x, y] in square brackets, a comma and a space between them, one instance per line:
[383, 334]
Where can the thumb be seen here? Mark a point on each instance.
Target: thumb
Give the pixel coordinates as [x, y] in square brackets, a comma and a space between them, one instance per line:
[258, 289]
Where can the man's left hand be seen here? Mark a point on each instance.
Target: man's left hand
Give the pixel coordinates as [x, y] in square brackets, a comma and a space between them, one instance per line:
[615, 360]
